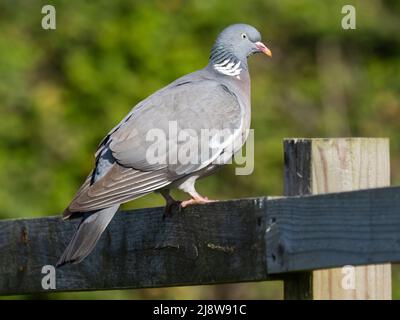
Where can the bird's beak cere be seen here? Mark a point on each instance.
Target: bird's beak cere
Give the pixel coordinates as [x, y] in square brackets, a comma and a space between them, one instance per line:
[262, 48]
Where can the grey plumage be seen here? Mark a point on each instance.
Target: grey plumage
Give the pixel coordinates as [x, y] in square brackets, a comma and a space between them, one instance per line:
[87, 235]
[216, 97]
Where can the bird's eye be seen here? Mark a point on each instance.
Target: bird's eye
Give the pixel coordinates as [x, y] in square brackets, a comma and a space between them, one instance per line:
[244, 36]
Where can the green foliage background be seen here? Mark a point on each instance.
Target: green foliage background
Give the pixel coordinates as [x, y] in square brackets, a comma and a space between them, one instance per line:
[62, 90]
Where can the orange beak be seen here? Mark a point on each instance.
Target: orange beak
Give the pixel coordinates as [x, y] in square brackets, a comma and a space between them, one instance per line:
[261, 46]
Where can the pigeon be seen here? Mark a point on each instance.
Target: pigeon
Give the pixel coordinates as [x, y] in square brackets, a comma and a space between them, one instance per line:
[215, 97]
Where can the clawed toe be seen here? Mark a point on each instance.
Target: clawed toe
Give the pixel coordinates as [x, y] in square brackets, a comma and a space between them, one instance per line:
[178, 206]
[170, 208]
[197, 200]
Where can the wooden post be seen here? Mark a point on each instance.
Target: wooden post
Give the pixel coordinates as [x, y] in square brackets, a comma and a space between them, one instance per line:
[315, 166]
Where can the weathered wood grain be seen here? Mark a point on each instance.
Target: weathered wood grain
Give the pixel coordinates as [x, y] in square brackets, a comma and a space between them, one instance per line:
[297, 182]
[297, 167]
[344, 165]
[336, 165]
[216, 243]
[228, 241]
[330, 230]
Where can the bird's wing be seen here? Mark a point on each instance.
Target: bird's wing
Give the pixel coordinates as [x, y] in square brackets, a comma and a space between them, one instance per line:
[180, 113]
[118, 185]
[191, 106]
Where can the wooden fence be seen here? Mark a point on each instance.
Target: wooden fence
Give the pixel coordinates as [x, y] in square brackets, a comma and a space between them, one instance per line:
[304, 238]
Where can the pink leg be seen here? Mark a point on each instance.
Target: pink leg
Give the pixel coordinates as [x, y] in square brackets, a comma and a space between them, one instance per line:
[196, 199]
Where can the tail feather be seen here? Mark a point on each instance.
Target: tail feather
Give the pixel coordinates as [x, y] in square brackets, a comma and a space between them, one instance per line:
[87, 235]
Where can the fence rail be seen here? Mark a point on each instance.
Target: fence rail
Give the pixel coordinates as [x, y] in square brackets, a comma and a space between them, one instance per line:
[256, 239]
[227, 241]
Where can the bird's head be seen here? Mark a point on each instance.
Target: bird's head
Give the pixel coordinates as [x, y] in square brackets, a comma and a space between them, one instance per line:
[234, 45]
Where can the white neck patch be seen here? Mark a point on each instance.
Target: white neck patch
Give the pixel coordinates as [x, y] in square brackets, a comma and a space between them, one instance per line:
[228, 68]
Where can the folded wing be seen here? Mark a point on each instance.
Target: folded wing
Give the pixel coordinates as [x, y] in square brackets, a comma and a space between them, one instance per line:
[147, 146]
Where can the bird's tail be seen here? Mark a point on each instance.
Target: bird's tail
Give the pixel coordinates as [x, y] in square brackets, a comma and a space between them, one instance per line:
[87, 235]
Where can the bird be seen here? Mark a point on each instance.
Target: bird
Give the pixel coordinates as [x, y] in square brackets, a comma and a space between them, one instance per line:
[214, 97]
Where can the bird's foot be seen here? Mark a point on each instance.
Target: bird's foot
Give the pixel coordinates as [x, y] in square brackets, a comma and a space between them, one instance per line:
[171, 207]
[195, 200]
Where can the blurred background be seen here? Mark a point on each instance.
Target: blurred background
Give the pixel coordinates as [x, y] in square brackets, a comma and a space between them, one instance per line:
[62, 90]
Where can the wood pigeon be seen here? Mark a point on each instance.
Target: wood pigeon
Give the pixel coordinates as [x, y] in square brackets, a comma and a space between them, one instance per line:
[216, 97]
